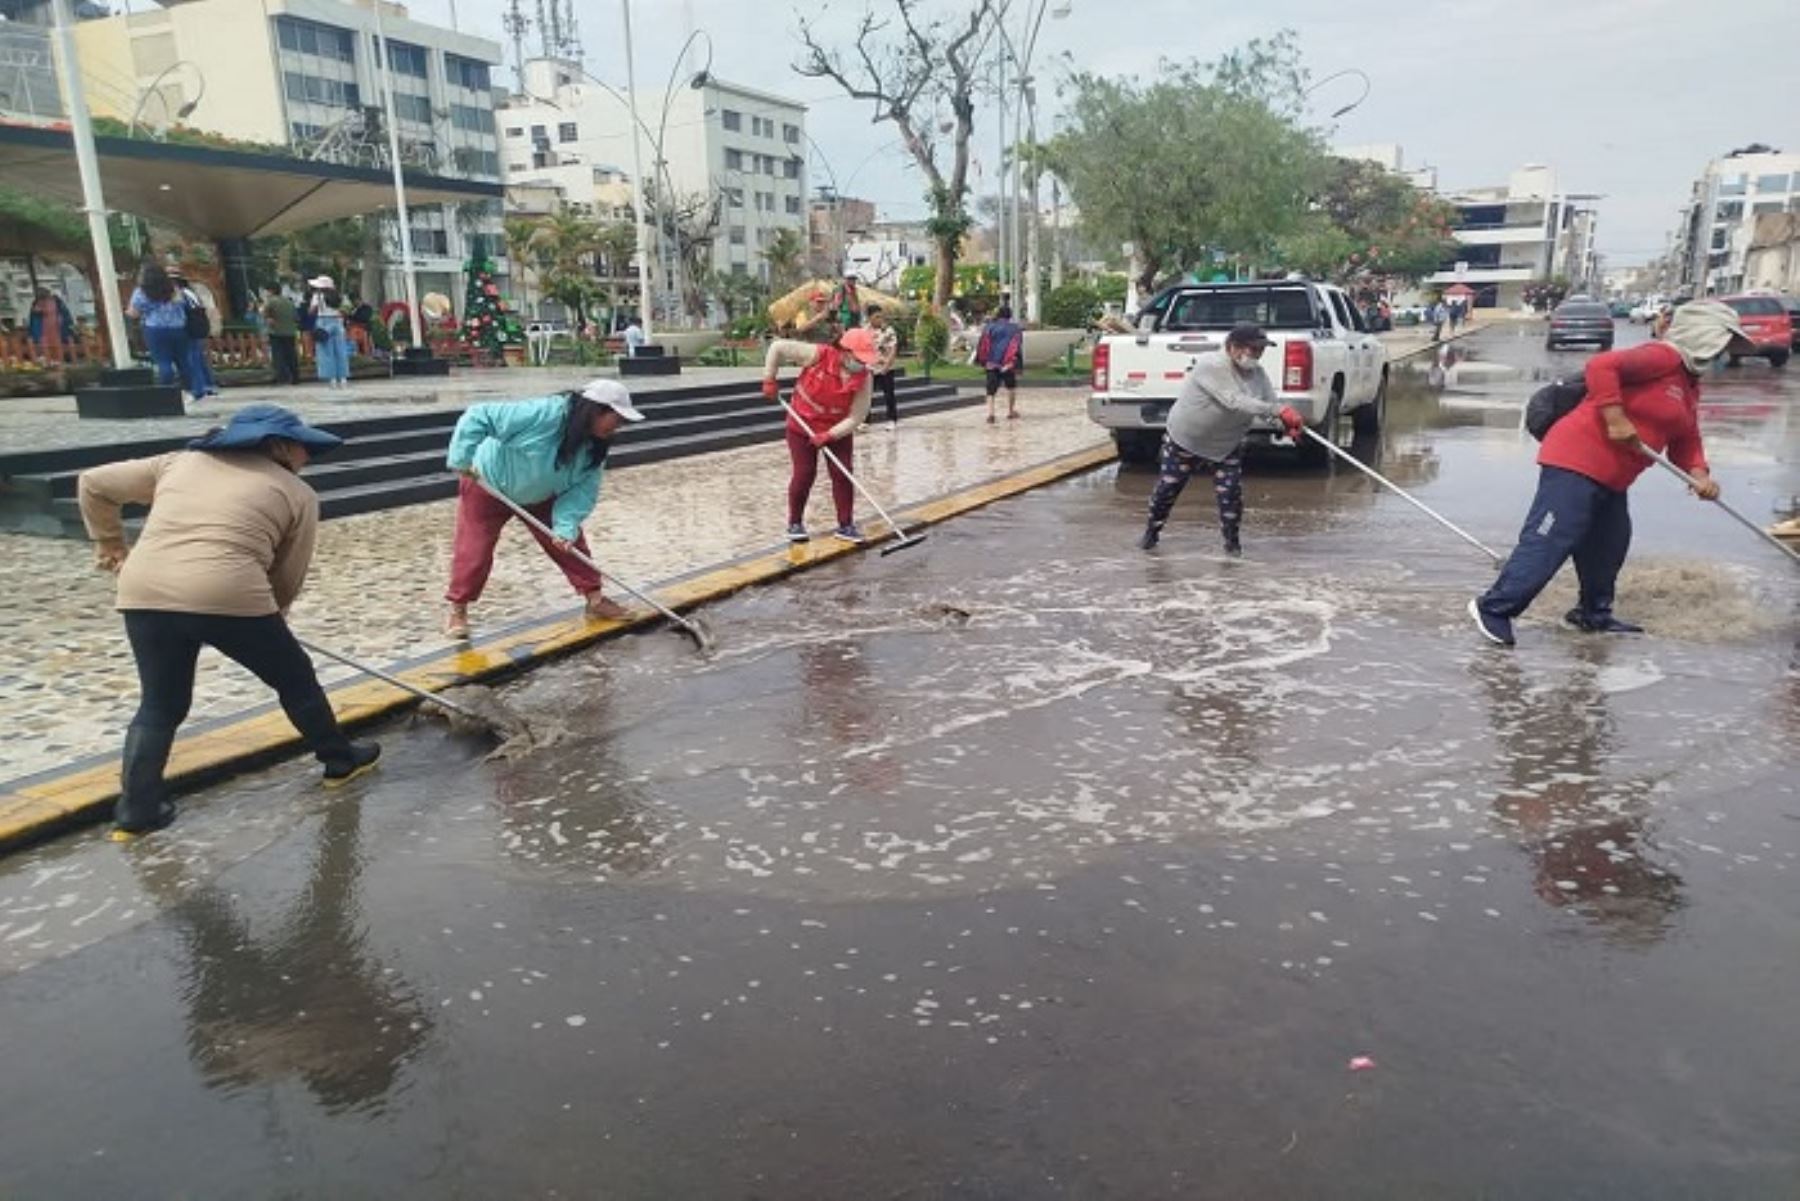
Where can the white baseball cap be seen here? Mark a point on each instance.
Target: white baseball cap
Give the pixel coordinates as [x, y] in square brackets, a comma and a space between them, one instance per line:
[612, 394]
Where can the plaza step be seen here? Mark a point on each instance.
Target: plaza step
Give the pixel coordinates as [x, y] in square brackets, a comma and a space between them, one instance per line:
[397, 460]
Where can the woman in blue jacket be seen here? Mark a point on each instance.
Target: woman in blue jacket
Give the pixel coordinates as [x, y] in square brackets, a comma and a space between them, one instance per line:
[547, 455]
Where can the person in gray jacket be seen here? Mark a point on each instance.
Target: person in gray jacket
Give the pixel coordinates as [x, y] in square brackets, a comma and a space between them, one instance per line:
[1223, 395]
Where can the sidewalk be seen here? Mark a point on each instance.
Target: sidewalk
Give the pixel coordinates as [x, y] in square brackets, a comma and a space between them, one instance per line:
[377, 581]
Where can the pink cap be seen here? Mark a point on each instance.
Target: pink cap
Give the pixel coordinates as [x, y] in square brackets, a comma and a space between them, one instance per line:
[861, 343]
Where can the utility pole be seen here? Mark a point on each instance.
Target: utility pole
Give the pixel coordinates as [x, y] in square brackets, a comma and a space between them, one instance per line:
[416, 318]
[637, 167]
[1000, 164]
[1056, 242]
[81, 128]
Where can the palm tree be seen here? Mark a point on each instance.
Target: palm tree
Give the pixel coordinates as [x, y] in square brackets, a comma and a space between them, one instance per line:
[786, 256]
[567, 243]
[520, 233]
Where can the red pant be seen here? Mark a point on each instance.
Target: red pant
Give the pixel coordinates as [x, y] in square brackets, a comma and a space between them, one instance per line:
[806, 469]
[479, 520]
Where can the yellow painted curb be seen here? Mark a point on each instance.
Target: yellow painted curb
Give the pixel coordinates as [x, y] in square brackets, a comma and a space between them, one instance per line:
[30, 811]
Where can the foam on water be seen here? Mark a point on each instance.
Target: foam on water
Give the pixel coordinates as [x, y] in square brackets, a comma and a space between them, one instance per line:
[1687, 600]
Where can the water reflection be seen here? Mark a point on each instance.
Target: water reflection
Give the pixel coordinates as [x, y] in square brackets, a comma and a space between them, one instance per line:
[301, 996]
[1583, 829]
[840, 706]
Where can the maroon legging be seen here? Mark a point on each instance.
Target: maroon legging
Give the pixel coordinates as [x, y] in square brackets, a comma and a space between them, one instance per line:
[806, 469]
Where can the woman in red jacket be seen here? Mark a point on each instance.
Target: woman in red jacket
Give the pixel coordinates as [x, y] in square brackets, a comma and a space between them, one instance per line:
[832, 398]
[1649, 394]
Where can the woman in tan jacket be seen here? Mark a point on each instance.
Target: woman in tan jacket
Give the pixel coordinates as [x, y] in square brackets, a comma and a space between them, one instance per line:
[223, 554]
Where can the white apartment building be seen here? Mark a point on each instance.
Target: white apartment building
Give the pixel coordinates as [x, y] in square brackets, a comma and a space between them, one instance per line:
[1719, 223]
[712, 139]
[302, 73]
[1511, 234]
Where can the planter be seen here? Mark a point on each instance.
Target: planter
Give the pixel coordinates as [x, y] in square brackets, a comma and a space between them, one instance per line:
[513, 354]
[689, 343]
[1046, 346]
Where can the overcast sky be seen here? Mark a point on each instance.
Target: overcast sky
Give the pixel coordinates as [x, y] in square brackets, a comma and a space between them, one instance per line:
[1627, 98]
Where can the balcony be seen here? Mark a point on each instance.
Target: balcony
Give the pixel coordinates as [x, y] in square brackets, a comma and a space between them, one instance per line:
[1501, 235]
[1484, 275]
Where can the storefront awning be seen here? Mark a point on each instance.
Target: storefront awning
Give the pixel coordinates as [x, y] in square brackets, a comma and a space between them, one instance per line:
[213, 192]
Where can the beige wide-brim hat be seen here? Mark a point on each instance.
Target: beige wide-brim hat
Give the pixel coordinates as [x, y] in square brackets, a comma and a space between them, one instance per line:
[322, 281]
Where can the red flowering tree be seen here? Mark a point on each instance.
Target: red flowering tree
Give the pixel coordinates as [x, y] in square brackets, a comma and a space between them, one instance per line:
[1367, 224]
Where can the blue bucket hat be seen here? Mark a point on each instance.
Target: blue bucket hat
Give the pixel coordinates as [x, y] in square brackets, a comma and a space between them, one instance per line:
[253, 425]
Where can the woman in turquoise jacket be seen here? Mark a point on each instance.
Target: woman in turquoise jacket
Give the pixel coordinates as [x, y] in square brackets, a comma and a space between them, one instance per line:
[547, 455]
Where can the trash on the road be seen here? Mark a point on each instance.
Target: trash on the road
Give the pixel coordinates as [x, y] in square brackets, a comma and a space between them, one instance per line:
[1362, 1063]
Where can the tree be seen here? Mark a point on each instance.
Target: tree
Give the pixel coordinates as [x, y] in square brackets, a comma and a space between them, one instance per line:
[1209, 162]
[912, 76]
[786, 256]
[518, 233]
[1366, 222]
[488, 326]
[564, 246]
[1545, 294]
[691, 221]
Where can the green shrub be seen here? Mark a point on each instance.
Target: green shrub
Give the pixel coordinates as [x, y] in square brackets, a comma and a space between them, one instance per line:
[1070, 306]
[933, 337]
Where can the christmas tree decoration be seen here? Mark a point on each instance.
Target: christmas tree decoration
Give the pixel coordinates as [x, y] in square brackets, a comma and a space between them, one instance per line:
[488, 327]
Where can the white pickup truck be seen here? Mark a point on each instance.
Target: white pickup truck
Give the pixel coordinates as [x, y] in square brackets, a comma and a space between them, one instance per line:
[1322, 359]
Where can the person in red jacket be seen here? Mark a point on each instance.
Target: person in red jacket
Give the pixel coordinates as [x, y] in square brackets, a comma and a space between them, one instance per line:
[999, 353]
[831, 398]
[1649, 394]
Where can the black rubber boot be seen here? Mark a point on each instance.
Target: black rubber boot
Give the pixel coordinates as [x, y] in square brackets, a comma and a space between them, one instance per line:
[1232, 546]
[344, 760]
[144, 803]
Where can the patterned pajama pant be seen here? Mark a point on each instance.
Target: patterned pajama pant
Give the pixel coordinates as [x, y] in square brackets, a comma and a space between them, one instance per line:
[1178, 466]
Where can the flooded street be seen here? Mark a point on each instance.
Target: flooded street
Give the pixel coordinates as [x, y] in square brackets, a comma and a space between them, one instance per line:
[1022, 864]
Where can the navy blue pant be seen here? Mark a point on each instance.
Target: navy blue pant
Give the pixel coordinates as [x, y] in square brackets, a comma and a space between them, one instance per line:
[1571, 517]
[1178, 466]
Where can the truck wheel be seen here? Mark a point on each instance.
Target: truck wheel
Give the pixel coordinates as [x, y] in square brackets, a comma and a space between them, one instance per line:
[1779, 359]
[1367, 421]
[1138, 446]
[1311, 453]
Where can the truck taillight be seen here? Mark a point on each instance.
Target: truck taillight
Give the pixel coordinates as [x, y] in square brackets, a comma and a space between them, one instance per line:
[1297, 367]
[1102, 361]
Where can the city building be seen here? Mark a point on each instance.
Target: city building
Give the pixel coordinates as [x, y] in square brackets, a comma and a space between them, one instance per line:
[1718, 224]
[1773, 261]
[303, 74]
[832, 222]
[1390, 157]
[1509, 235]
[707, 141]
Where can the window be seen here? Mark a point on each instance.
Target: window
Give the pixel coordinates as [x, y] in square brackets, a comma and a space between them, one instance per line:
[408, 107]
[310, 37]
[515, 131]
[470, 161]
[1767, 206]
[793, 206]
[734, 160]
[737, 235]
[1757, 306]
[430, 241]
[765, 163]
[539, 134]
[462, 72]
[472, 119]
[1732, 185]
[791, 168]
[1341, 309]
[739, 269]
[790, 134]
[1271, 308]
[310, 89]
[1729, 210]
[302, 130]
[1771, 183]
[1719, 238]
[734, 197]
[731, 119]
[407, 59]
[565, 132]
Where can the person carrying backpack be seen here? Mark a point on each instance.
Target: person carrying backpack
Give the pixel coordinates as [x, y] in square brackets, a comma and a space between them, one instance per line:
[1648, 394]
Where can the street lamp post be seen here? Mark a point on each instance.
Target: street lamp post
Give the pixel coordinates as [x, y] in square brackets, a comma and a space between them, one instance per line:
[1368, 86]
[152, 89]
[416, 318]
[637, 167]
[87, 162]
[1025, 110]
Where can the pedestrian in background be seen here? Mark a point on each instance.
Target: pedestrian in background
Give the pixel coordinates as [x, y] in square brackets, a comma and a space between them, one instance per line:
[635, 338]
[831, 398]
[331, 345]
[157, 304]
[548, 456]
[282, 322]
[51, 327]
[1648, 394]
[202, 324]
[223, 554]
[1225, 392]
[360, 324]
[999, 352]
[1438, 314]
[887, 346]
[846, 303]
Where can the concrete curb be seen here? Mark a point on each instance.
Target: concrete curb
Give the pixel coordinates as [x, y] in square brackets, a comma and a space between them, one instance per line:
[38, 806]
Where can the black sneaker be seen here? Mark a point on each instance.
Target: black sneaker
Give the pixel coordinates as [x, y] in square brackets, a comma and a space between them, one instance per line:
[849, 533]
[1497, 630]
[797, 533]
[1233, 547]
[1603, 623]
[1150, 538]
[363, 756]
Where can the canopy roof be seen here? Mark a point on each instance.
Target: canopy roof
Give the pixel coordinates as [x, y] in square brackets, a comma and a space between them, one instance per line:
[215, 192]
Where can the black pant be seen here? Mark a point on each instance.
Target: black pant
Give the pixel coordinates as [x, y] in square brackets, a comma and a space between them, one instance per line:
[284, 356]
[1571, 517]
[167, 646]
[885, 380]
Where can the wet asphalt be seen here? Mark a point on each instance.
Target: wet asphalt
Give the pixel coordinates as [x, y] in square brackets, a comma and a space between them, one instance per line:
[1022, 864]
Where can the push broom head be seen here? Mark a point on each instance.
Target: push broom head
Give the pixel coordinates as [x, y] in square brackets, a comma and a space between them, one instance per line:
[902, 543]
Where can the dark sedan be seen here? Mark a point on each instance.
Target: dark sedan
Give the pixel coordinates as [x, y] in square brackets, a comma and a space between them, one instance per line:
[1580, 321]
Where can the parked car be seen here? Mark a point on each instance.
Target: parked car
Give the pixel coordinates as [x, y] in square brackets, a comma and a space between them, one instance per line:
[1621, 310]
[1765, 318]
[1582, 320]
[1322, 359]
[1792, 305]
